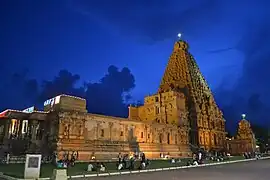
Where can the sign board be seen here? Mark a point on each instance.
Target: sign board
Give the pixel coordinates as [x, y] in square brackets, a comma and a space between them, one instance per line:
[29, 110]
[32, 166]
[52, 101]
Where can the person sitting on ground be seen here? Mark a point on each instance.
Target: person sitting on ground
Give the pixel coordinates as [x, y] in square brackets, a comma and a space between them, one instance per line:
[245, 155]
[120, 166]
[65, 164]
[142, 166]
[102, 167]
[195, 163]
[90, 167]
[60, 163]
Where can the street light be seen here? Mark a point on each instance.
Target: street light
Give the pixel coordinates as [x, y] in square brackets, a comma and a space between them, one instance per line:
[243, 116]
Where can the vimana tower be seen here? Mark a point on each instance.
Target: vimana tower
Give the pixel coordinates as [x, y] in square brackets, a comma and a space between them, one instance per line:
[185, 100]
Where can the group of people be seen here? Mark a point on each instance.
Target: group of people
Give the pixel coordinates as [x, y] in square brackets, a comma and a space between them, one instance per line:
[128, 162]
[249, 155]
[124, 162]
[197, 159]
[66, 161]
[96, 167]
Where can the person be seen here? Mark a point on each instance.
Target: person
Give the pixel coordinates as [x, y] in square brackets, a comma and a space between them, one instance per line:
[172, 160]
[119, 158]
[59, 163]
[102, 167]
[195, 163]
[142, 165]
[125, 158]
[65, 164]
[131, 167]
[72, 161]
[200, 156]
[120, 166]
[90, 167]
[143, 157]
[7, 158]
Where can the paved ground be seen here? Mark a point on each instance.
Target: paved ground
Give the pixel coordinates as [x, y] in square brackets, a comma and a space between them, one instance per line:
[253, 170]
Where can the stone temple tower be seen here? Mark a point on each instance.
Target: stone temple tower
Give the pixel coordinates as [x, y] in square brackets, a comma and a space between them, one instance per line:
[182, 74]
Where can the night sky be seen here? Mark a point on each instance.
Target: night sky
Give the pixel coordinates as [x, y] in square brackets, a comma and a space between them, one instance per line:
[83, 38]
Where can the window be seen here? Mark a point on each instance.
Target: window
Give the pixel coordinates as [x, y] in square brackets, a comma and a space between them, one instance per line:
[121, 133]
[141, 134]
[148, 136]
[102, 133]
[156, 99]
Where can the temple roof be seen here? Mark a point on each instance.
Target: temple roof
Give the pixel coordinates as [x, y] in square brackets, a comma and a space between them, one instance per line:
[16, 114]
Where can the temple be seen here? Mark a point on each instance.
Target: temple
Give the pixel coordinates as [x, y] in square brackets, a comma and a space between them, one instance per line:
[180, 117]
[244, 140]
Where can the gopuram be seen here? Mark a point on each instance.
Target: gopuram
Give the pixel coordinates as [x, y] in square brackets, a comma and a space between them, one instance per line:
[180, 117]
[244, 140]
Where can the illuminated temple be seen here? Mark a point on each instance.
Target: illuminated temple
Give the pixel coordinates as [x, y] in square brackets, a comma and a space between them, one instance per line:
[180, 117]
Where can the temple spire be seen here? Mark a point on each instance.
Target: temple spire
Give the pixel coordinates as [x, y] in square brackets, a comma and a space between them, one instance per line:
[176, 73]
[182, 71]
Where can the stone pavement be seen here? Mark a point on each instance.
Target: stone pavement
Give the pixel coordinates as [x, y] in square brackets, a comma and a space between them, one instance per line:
[252, 170]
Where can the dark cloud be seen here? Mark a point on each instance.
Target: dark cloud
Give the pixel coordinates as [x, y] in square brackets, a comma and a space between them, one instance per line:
[64, 83]
[18, 90]
[108, 96]
[253, 86]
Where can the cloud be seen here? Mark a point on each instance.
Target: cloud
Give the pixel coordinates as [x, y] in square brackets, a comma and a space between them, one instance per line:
[252, 86]
[109, 96]
[18, 90]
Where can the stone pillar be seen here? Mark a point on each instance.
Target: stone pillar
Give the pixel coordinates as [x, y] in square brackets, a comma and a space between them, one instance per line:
[97, 130]
[110, 128]
[19, 131]
[34, 130]
[61, 128]
[146, 134]
[7, 127]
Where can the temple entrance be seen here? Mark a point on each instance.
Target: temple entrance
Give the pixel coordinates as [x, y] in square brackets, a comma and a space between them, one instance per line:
[168, 138]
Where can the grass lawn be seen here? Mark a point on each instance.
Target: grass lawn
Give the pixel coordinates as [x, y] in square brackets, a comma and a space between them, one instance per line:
[17, 170]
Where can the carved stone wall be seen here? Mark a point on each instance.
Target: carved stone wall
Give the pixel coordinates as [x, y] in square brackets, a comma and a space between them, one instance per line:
[106, 136]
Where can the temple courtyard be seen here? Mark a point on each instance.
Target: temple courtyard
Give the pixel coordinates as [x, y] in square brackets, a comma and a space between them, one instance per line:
[252, 170]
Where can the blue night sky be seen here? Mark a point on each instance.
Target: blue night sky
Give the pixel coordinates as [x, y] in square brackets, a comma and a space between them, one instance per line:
[229, 39]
